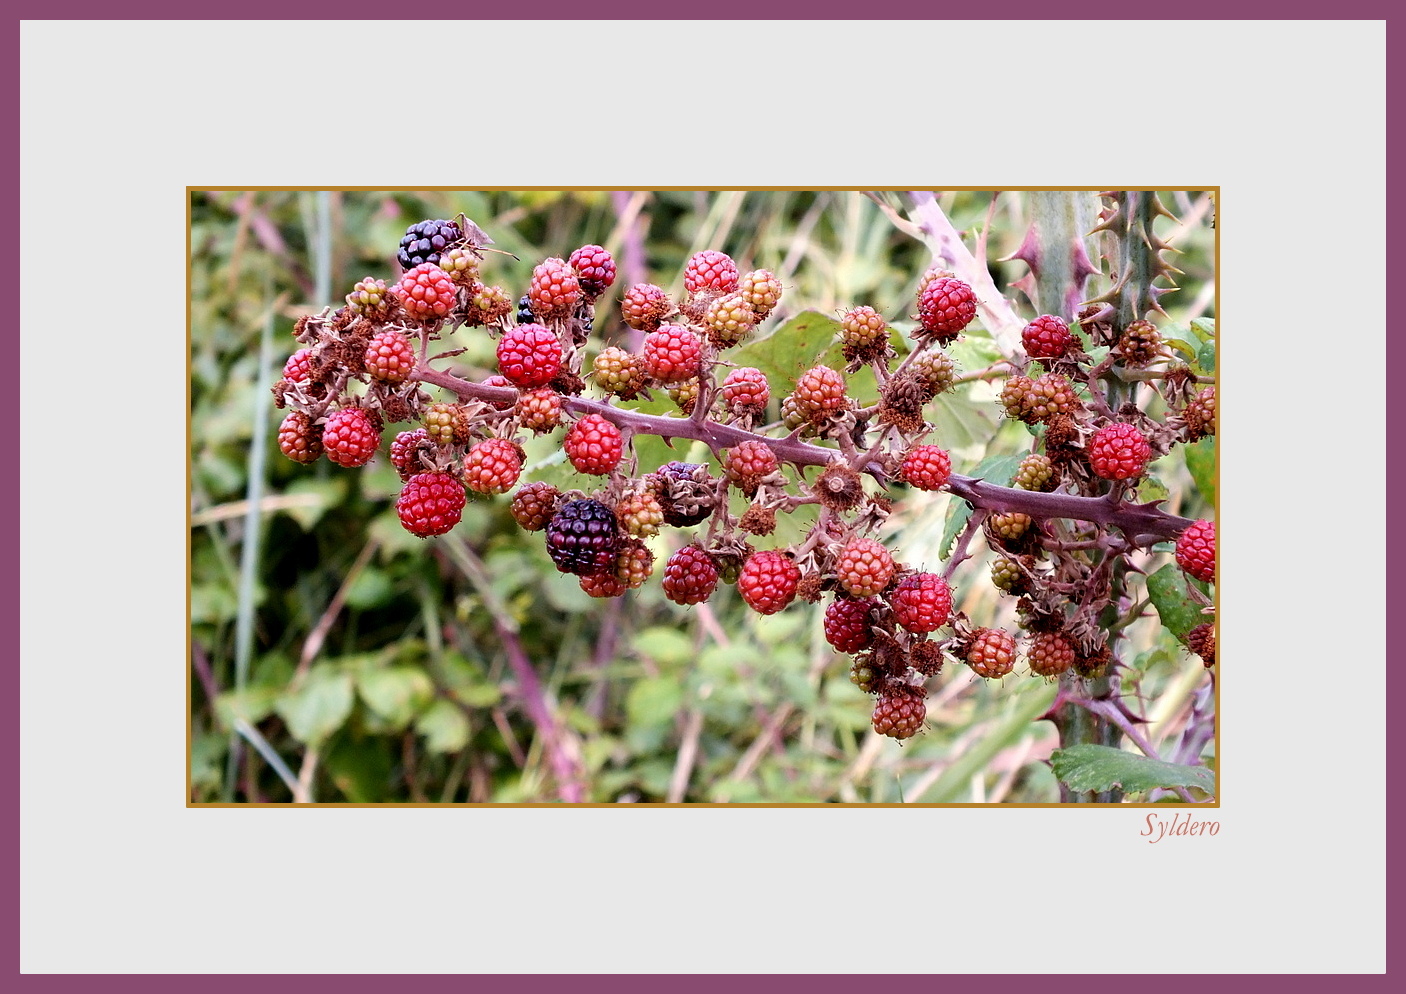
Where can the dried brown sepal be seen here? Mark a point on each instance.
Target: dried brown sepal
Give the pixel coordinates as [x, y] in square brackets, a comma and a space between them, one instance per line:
[926, 657]
[810, 587]
[758, 520]
[839, 487]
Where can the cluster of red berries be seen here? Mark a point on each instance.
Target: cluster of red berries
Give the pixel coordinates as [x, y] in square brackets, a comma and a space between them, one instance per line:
[884, 612]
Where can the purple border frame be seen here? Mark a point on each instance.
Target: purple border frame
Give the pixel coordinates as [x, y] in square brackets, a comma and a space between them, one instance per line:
[720, 9]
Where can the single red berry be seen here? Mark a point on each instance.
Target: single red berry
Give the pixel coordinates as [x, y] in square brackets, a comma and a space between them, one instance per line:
[1119, 452]
[405, 451]
[299, 439]
[426, 292]
[819, 393]
[534, 506]
[690, 576]
[710, 271]
[900, 713]
[349, 437]
[644, 306]
[747, 463]
[430, 504]
[390, 357]
[927, 467]
[298, 368]
[1047, 337]
[768, 581]
[594, 445]
[529, 355]
[492, 466]
[603, 585]
[921, 602]
[864, 567]
[595, 268]
[746, 391]
[1196, 550]
[671, 354]
[1050, 653]
[555, 290]
[499, 380]
[847, 624]
[991, 652]
[946, 306]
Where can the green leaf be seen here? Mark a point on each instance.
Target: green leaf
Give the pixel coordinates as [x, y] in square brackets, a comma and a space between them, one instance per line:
[253, 704]
[1184, 347]
[319, 707]
[371, 588]
[962, 423]
[791, 349]
[396, 694]
[1098, 768]
[1206, 357]
[1201, 462]
[1204, 328]
[1151, 488]
[652, 704]
[1170, 590]
[444, 727]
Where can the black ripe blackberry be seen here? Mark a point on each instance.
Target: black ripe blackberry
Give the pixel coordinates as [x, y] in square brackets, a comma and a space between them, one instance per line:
[524, 310]
[584, 538]
[424, 242]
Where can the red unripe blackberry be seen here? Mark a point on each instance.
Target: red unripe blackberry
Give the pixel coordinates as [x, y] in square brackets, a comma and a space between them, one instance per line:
[426, 292]
[603, 585]
[819, 393]
[644, 306]
[946, 306]
[1119, 452]
[847, 624]
[927, 467]
[746, 391]
[430, 504]
[299, 439]
[583, 537]
[538, 410]
[492, 466]
[1047, 337]
[690, 576]
[991, 652]
[555, 290]
[710, 271]
[534, 506]
[671, 354]
[761, 290]
[864, 567]
[298, 368]
[390, 357]
[595, 268]
[746, 463]
[768, 581]
[1140, 344]
[900, 713]
[370, 297]
[1200, 414]
[499, 380]
[424, 242]
[349, 437]
[1049, 395]
[1050, 653]
[921, 602]
[594, 445]
[405, 451]
[729, 319]
[1196, 550]
[529, 355]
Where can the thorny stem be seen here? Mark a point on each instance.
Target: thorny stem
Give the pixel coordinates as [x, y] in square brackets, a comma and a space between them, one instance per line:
[1144, 524]
[959, 551]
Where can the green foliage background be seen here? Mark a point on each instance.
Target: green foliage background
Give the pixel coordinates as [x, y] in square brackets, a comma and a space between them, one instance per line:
[375, 673]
